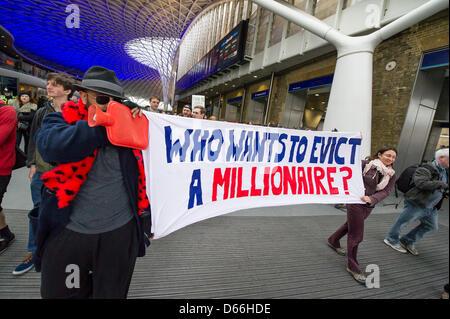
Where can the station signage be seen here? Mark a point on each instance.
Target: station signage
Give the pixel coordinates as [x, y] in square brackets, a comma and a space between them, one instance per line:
[235, 100]
[312, 83]
[228, 51]
[260, 94]
[434, 59]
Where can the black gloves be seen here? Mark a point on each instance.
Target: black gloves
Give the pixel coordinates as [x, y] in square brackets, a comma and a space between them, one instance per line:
[146, 223]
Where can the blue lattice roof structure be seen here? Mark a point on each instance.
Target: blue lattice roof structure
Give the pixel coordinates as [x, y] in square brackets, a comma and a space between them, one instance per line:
[121, 35]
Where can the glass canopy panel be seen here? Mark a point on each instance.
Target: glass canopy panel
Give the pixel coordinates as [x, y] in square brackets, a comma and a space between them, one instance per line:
[105, 28]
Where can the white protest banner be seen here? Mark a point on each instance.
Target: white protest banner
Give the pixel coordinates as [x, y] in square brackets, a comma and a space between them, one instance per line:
[198, 169]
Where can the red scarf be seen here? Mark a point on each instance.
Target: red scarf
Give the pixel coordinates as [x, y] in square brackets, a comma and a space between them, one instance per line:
[66, 179]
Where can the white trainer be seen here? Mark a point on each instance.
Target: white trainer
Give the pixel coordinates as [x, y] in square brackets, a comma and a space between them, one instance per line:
[396, 247]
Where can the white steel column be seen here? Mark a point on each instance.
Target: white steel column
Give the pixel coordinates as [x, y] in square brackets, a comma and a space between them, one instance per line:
[248, 12]
[220, 24]
[268, 37]
[226, 8]
[240, 11]
[213, 28]
[209, 30]
[233, 5]
[350, 104]
[256, 30]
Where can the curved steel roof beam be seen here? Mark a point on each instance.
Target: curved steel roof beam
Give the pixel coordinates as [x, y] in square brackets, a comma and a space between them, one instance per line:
[415, 16]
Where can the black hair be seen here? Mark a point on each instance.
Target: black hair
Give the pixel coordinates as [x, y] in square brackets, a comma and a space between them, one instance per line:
[383, 150]
[23, 93]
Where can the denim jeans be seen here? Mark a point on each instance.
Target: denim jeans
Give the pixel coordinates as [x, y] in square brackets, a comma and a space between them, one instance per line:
[428, 223]
[36, 184]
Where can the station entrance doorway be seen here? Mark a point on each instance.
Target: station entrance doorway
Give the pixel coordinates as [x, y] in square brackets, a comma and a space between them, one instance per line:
[306, 109]
[233, 109]
[426, 123]
[294, 109]
[257, 107]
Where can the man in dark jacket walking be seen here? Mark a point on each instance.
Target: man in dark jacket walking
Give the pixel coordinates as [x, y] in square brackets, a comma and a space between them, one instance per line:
[422, 202]
[90, 226]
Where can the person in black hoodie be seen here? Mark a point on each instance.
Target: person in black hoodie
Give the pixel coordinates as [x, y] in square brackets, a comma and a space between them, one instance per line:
[25, 113]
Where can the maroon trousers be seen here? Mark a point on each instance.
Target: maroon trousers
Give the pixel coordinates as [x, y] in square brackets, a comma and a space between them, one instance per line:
[354, 229]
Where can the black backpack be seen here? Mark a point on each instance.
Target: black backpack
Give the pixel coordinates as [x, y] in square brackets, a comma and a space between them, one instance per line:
[405, 182]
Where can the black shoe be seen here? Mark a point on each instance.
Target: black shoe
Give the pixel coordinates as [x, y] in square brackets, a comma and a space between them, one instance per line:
[5, 242]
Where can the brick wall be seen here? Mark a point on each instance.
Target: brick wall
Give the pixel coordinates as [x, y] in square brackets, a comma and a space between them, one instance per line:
[392, 89]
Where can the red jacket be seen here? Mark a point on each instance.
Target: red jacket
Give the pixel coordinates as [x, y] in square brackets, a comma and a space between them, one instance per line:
[8, 125]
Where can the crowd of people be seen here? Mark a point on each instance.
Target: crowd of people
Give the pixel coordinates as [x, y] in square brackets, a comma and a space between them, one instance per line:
[89, 207]
[198, 111]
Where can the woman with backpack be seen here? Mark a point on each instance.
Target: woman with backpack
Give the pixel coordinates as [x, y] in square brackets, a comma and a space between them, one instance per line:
[379, 180]
[25, 113]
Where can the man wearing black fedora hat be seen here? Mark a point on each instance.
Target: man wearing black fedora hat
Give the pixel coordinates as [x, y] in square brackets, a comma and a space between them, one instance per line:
[99, 82]
[91, 226]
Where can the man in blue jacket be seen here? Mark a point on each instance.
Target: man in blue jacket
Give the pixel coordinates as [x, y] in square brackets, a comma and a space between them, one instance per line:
[89, 235]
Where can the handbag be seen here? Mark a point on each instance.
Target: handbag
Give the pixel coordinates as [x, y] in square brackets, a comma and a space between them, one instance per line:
[21, 159]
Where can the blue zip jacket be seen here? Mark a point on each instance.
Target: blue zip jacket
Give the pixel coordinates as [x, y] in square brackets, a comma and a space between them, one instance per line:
[59, 142]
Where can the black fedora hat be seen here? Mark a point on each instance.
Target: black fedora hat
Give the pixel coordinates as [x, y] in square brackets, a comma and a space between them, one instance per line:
[102, 80]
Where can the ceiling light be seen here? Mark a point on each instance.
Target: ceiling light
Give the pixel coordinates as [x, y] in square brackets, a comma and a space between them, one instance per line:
[157, 53]
[317, 94]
